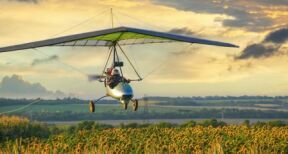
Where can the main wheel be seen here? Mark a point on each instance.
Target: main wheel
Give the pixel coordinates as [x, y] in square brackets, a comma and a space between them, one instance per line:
[91, 106]
[135, 105]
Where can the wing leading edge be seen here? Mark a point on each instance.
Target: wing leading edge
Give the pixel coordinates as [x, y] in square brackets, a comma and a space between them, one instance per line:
[122, 35]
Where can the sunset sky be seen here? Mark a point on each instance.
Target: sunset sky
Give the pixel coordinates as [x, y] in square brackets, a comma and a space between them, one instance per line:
[258, 67]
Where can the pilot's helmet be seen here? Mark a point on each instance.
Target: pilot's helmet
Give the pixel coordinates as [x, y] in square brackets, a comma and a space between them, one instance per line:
[115, 72]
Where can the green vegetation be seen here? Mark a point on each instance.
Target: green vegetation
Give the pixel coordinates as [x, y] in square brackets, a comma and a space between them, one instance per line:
[158, 108]
[241, 101]
[14, 127]
[210, 136]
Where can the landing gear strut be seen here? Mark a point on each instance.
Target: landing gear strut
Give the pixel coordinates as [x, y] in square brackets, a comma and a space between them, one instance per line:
[125, 105]
[135, 104]
[92, 104]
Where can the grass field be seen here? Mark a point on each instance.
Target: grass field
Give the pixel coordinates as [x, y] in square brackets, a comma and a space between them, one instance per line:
[118, 108]
[78, 111]
[64, 110]
[85, 108]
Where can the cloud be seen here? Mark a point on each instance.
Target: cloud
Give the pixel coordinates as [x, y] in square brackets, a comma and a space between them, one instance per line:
[186, 51]
[184, 31]
[16, 87]
[258, 51]
[274, 2]
[45, 60]
[26, 1]
[254, 15]
[271, 45]
[240, 67]
[279, 36]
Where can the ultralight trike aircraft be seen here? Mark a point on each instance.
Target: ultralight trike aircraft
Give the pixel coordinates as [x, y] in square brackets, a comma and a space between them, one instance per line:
[114, 38]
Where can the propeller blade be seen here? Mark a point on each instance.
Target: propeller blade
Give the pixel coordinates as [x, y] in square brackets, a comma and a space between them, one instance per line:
[93, 77]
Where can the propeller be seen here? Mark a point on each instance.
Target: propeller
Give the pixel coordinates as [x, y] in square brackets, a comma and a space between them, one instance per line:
[93, 77]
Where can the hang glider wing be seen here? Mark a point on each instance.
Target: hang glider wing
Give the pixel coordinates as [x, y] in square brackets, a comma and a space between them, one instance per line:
[121, 35]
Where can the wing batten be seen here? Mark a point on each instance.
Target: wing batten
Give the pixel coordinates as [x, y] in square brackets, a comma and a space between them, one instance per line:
[108, 36]
[55, 41]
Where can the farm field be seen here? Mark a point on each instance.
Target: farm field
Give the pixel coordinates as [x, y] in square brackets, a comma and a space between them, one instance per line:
[84, 108]
[117, 107]
[90, 137]
[166, 108]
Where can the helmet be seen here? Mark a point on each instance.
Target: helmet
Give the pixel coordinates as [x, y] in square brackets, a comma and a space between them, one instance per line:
[115, 72]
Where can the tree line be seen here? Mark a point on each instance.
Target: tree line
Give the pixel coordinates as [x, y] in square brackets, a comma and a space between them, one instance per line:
[180, 114]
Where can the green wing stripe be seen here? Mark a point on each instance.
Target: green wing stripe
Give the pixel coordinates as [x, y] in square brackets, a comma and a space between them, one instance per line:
[118, 36]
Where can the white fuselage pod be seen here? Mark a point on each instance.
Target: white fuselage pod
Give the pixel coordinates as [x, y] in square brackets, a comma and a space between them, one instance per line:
[121, 92]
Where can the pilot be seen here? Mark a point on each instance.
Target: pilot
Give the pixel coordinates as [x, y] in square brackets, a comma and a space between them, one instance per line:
[115, 78]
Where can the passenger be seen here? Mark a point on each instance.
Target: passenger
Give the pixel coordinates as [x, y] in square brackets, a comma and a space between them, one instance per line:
[115, 78]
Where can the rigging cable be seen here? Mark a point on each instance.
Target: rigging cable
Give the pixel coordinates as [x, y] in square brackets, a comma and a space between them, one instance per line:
[116, 20]
[112, 21]
[161, 64]
[117, 56]
[134, 59]
[71, 67]
[72, 27]
[60, 62]
[152, 26]
[140, 78]
[106, 63]
[82, 22]
[145, 23]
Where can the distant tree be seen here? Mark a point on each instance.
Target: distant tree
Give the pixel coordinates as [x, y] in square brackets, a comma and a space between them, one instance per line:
[259, 124]
[55, 130]
[99, 126]
[71, 129]
[85, 125]
[276, 123]
[246, 123]
[130, 125]
[189, 124]
[165, 125]
[213, 123]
